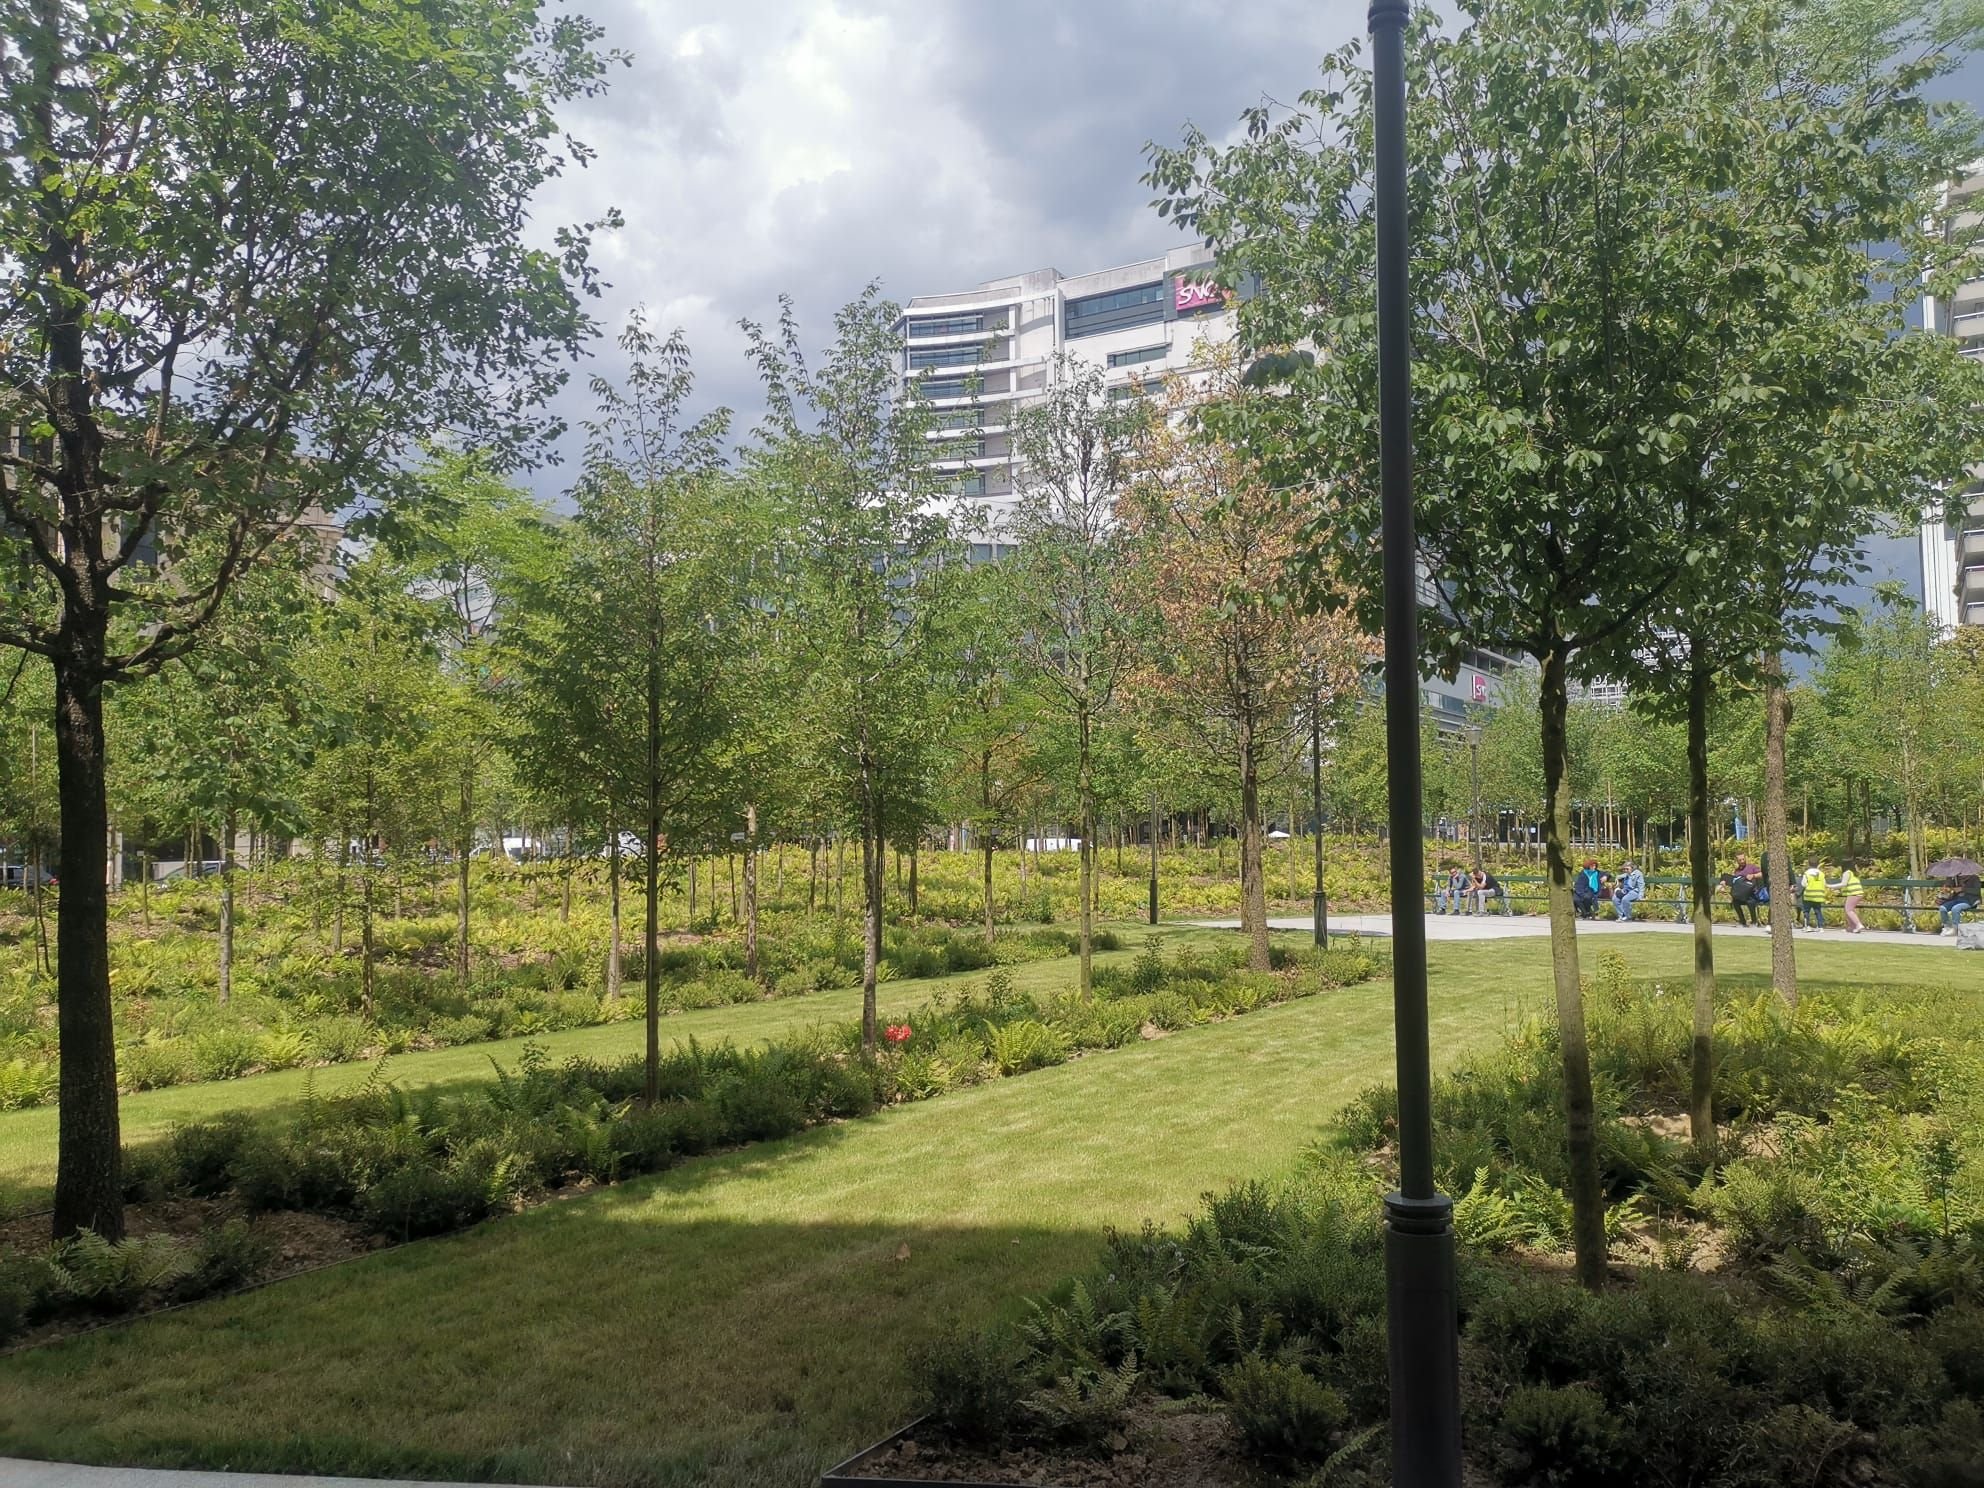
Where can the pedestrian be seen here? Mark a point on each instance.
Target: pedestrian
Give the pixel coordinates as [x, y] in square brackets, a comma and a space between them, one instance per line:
[1585, 889]
[1484, 883]
[1850, 895]
[1631, 889]
[1812, 896]
[1742, 895]
[1961, 894]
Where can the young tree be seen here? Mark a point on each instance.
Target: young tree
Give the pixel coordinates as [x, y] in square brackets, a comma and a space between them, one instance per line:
[249, 258]
[1070, 450]
[1211, 581]
[845, 459]
[1578, 233]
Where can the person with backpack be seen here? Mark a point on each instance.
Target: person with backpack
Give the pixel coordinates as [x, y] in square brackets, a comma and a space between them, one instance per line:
[1850, 895]
[1812, 895]
[1585, 889]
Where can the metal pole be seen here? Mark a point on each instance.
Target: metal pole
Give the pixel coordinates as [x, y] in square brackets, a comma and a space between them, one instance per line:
[1321, 904]
[1474, 788]
[1153, 860]
[1419, 1239]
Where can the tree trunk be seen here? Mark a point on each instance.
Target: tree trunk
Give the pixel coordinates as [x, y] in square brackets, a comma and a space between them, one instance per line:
[226, 990]
[565, 902]
[464, 845]
[692, 892]
[913, 855]
[751, 892]
[872, 881]
[651, 942]
[365, 900]
[337, 908]
[613, 910]
[1253, 878]
[1587, 1196]
[985, 856]
[1085, 856]
[89, 1192]
[1777, 830]
[1701, 1096]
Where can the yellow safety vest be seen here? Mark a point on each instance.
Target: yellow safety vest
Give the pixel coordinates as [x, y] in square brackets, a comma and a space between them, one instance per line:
[1849, 885]
[1814, 890]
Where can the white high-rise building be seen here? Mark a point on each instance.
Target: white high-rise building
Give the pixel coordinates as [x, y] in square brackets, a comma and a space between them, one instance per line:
[1952, 552]
[981, 352]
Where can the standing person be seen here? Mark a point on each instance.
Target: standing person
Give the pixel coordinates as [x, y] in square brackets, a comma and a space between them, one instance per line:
[1850, 895]
[1812, 896]
[1961, 895]
[1631, 889]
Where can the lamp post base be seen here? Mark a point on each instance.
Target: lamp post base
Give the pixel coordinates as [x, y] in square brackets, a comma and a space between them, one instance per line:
[1421, 1309]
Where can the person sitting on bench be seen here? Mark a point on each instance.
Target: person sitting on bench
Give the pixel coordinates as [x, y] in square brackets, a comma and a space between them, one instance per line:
[1586, 890]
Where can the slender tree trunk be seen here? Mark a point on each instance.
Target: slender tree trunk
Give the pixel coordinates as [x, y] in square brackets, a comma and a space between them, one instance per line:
[985, 857]
[613, 909]
[1777, 830]
[366, 886]
[693, 875]
[571, 862]
[338, 882]
[464, 845]
[1587, 1196]
[813, 849]
[1253, 877]
[751, 892]
[145, 890]
[89, 1193]
[227, 908]
[1701, 1094]
[913, 855]
[872, 881]
[730, 867]
[1085, 857]
[651, 942]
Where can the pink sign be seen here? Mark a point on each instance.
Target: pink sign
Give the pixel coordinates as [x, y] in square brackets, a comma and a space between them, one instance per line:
[1480, 688]
[1195, 296]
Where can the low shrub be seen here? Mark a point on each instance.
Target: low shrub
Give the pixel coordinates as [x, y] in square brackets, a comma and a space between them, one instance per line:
[971, 1385]
[1281, 1413]
[154, 1066]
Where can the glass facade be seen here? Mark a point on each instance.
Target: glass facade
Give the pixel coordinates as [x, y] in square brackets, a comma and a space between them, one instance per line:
[1118, 310]
[1140, 355]
[950, 356]
[946, 325]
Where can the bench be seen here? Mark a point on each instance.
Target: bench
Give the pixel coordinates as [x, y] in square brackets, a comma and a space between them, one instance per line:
[1900, 899]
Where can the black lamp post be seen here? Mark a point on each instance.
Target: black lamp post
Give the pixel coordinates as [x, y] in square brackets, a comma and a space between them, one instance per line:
[1320, 904]
[1419, 1238]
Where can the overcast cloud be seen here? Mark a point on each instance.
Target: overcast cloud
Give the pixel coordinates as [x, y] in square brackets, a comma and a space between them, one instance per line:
[807, 146]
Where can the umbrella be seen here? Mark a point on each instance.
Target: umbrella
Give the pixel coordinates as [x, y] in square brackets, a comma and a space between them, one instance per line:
[1954, 867]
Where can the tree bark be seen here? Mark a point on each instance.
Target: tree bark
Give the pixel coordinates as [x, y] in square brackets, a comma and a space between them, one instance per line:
[914, 845]
[1701, 1093]
[1777, 830]
[89, 1193]
[226, 989]
[1086, 854]
[613, 912]
[1580, 1129]
[751, 892]
[651, 943]
[873, 871]
[365, 899]
[464, 845]
[1253, 878]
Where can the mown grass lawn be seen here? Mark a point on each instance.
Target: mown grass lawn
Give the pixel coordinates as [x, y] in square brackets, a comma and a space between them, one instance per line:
[741, 1319]
[27, 1138]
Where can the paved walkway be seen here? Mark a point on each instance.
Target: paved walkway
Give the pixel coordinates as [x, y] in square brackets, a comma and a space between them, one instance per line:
[16, 1472]
[1525, 927]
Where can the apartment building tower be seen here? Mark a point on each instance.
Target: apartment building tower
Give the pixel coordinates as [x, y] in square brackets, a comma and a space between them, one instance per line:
[1952, 551]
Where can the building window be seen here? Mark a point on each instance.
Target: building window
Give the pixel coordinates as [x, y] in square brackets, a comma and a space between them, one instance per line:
[950, 356]
[1118, 310]
[970, 484]
[1124, 392]
[1140, 355]
[957, 420]
[947, 325]
[948, 387]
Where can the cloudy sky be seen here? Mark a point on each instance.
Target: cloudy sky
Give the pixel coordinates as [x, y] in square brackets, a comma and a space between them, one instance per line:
[807, 146]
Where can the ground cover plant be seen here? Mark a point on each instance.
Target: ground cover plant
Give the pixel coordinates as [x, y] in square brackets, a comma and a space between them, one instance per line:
[644, 1303]
[399, 1164]
[1809, 1310]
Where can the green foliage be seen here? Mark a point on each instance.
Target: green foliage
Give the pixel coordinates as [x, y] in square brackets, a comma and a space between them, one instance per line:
[1281, 1413]
[971, 1385]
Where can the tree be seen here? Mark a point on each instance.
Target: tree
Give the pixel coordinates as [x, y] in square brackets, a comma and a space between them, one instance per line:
[1576, 234]
[845, 460]
[1229, 656]
[1070, 449]
[649, 590]
[249, 257]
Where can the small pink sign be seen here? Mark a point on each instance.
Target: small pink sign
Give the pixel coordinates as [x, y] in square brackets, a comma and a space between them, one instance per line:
[1191, 295]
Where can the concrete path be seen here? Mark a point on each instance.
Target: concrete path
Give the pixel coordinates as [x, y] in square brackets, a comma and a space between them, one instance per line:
[1527, 927]
[17, 1472]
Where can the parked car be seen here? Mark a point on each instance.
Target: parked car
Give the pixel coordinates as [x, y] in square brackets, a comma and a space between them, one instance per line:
[23, 875]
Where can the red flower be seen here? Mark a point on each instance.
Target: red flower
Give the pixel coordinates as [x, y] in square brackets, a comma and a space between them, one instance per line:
[897, 1033]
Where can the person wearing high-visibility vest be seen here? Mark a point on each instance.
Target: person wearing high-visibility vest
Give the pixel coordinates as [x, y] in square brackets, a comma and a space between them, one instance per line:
[1812, 896]
[1850, 895]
